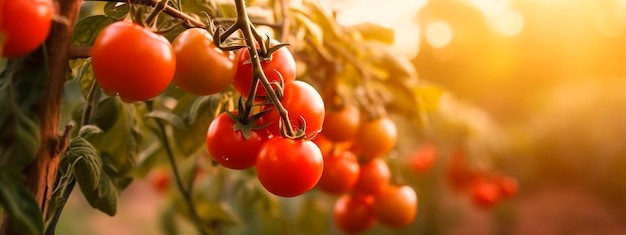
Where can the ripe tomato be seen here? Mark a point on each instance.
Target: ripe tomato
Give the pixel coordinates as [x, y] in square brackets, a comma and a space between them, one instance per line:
[508, 186]
[229, 147]
[341, 171]
[354, 213]
[485, 194]
[342, 124]
[131, 60]
[287, 167]
[201, 67]
[396, 206]
[375, 138]
[373, 177]
[24, 25]
[424, 158]
[282, 62]
[159, 180]
[301, 101]
[458, 174]
[325, 145]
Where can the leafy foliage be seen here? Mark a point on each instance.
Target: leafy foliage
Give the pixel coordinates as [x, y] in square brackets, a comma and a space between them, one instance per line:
[18, 203]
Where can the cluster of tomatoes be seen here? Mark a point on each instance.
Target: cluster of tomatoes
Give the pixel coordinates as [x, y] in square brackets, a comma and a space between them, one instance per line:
[353, 147]
[18, 40]
[485, 189]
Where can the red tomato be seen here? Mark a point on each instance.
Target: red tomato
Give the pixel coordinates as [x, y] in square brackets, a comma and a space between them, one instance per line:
[229, 147]
[342, 124]
[24, 25]
[160, 180]
[287, 167]
[354, 213]
[132, 61]
[302, 101]
[282, 65]
[423, 159]
[201, 67]
[458, 173]
[375, 138]
[396, 206]
[325, 145]
[485, 193]
[341, 171]
[508, 186]
[373, 177]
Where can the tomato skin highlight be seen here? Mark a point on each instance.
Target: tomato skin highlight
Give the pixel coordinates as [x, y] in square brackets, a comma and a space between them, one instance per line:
[396, 206]
[25, 25]
[132, 61]
[354, 213]
[341, 171]
[282, 63]
[300, 100]
[201, 67]
[287, 167]
[230, 148]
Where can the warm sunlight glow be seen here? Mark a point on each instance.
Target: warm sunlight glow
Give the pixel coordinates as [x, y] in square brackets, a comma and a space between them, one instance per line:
[406, 38]
[509, 22]
[438, 34]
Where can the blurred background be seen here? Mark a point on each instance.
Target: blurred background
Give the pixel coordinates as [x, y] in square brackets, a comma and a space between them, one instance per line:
[545, 77]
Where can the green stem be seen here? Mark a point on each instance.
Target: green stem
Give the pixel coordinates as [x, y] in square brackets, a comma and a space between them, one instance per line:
[243, 22]
[179, 182]
[158, 8]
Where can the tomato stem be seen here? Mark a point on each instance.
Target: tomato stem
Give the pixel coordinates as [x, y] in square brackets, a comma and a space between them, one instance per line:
[158, 8]
[250, 35]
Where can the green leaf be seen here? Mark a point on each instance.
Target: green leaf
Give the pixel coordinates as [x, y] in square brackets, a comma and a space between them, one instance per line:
[221, 212]
[169, 117]
[86, 77]
[89, 130]
[198, 116]
[104, 197]
[116, 10]
[87, 29]
[20, 138]
[86, 162]
[19, 204]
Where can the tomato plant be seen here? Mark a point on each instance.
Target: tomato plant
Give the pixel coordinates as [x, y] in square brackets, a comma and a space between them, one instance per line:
[373, 177]
[396, 206]
[132, 61]
[201, 67]
[354, 213]
[228, 144]
[376, 137]
[287, 167]
[341, 124]
[341, 171]
[279, 68]
[24, 24]
[305, 107]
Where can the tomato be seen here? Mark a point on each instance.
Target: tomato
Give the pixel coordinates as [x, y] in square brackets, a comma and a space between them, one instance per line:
[508, 186]
[132, 61]
[282, 65]
[229, 147]
[302, 101]
[341, 171]
[201, 67]
[396, 206]
[354, 213]
[485, 194]
[342, 124]
[24, 25]
[373, 177]
[376, 137]
[423, 159]
[287, 167]
[159, 180]
[458, 174]
[325, 145]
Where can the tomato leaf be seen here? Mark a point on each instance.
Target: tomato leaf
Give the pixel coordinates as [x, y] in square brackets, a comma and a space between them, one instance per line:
[169, 117]
[86, 163]
[222, 213]
[89, 130]
[116, 10]
[104, 197]
[19, 204]
[374, 32]
[85, 77]
[86, 30]
[19, 133]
